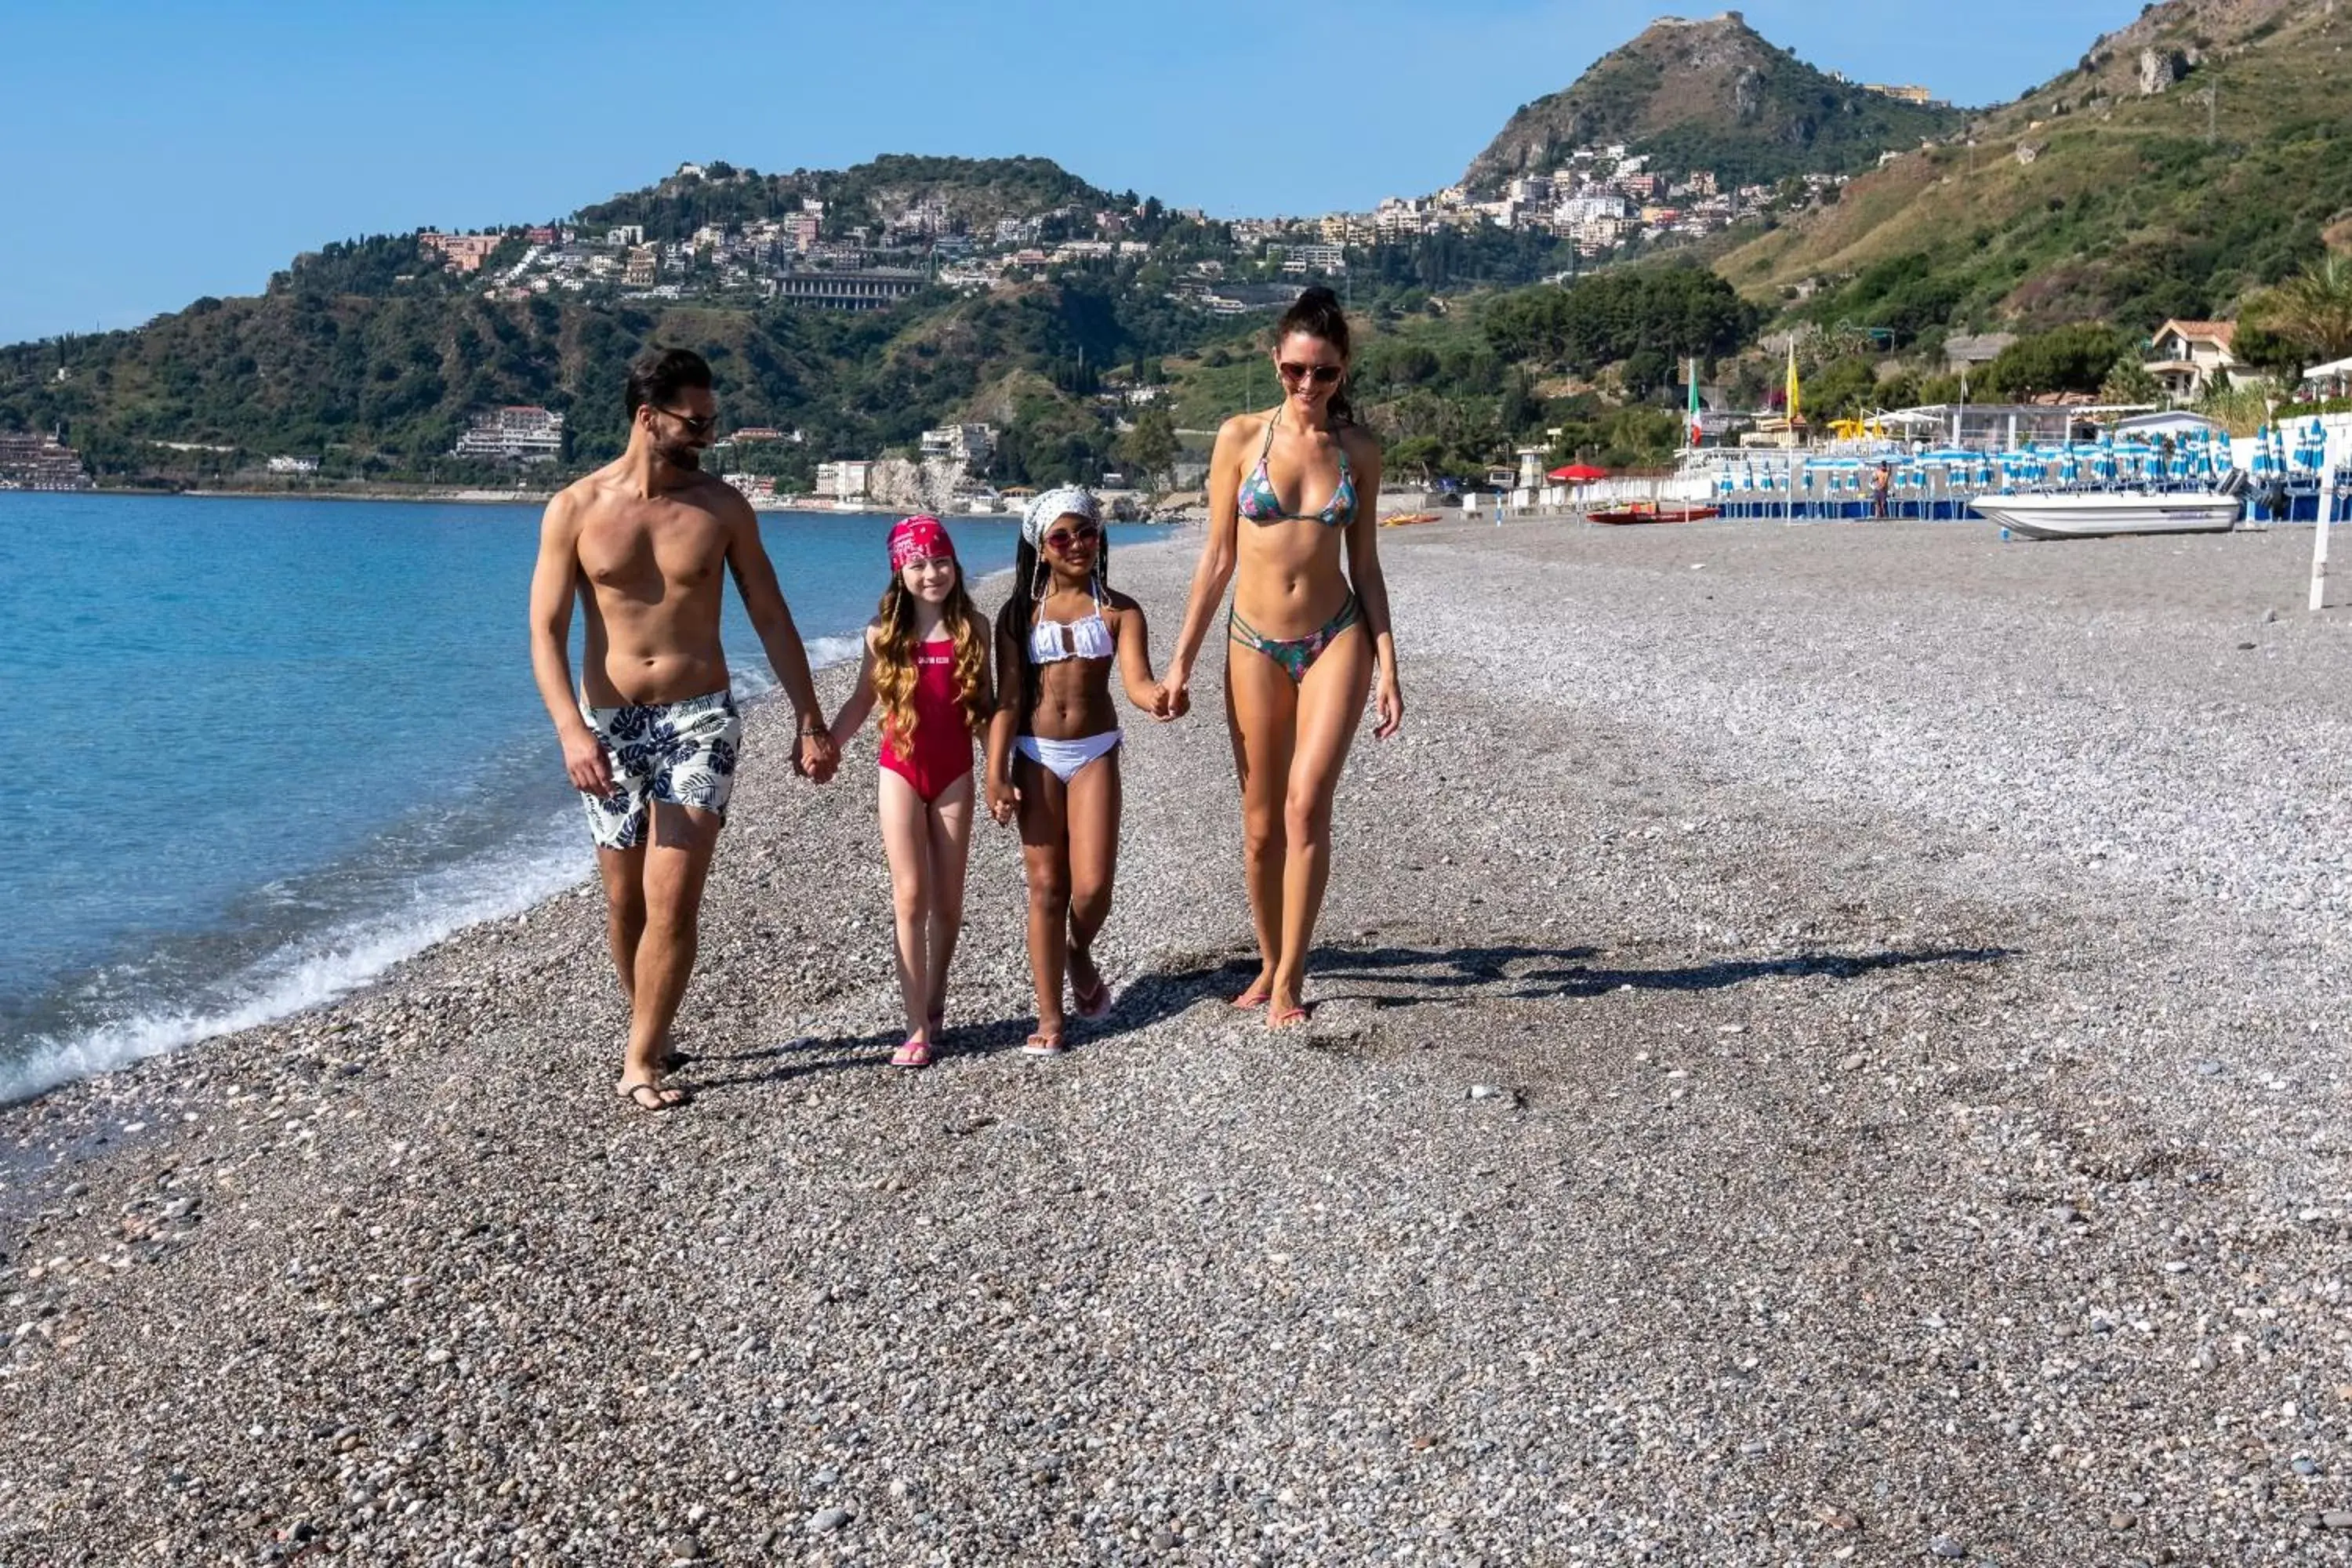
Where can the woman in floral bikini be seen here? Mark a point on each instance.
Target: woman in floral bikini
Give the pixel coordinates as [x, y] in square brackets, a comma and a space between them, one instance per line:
[1308, 635]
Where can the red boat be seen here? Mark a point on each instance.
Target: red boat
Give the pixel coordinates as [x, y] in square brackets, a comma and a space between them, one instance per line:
[1650, 511]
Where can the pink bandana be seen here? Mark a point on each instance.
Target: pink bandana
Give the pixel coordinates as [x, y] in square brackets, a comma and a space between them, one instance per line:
[918, 539]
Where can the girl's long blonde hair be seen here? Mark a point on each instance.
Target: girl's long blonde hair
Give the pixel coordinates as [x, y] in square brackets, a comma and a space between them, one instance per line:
[894, 661]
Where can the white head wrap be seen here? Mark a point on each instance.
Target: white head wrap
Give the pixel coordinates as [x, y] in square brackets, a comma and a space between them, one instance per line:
[1069, 500]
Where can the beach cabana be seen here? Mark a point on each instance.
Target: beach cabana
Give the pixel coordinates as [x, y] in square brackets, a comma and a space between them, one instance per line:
[2333, 376]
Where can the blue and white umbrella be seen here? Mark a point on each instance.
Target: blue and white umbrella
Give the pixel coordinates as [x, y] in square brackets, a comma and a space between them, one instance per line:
[2310, 446]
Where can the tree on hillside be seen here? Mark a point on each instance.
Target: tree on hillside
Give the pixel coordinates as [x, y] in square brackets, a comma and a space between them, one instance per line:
[2074, 358]
[2311, 311]
[2128, 381]
[1150, 449]
[1415, 455]
[1843, 390]
[1668, 312]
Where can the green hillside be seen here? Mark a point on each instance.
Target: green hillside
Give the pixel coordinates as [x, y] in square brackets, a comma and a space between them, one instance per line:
[969, 192]
[382, 385]
[371, 355]
[1714, 96]
[2092, 200]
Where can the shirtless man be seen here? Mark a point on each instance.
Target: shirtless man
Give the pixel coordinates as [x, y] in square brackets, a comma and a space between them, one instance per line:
[650, 741]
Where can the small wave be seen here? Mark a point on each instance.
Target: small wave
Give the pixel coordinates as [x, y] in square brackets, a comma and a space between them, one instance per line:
[317, 968]
[826, 652]
[753, 680]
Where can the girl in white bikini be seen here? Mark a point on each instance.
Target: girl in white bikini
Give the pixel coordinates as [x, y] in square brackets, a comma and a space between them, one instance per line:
[1053, 748]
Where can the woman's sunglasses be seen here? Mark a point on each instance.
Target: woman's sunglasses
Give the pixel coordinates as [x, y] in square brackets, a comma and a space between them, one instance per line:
[694, 426]
[1320, 374]
[1067, 539]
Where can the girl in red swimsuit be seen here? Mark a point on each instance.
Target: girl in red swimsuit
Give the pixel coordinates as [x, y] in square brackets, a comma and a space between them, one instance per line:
[927, 665]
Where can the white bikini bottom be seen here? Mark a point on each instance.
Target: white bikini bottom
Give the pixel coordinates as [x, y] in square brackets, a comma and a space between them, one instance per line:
[1066, 757]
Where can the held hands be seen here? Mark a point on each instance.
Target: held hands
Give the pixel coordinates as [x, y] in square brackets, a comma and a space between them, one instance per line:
[1388, 706]
[1172, 697]
[586, 764]
[1004, 800]
[815, 757]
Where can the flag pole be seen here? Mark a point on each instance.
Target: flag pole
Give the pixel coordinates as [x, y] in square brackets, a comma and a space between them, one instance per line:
[2319, 532]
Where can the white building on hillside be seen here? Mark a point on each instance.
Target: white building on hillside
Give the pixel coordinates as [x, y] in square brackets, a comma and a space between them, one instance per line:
[970, 444]
[845, 480]
[2192, 356]
[520, 433]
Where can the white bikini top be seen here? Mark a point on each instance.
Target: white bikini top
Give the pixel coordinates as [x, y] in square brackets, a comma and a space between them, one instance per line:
[1090, 638]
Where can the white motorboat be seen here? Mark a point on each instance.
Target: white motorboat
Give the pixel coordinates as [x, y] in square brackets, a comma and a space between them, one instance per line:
[2088, 514]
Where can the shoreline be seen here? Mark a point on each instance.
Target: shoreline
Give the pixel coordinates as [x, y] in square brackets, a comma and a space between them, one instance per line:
[833, 674]
[1728, 1130]
[462, 496]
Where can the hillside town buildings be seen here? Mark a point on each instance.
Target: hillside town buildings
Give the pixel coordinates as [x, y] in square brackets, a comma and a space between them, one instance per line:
[1598, 199]
[521, 433]
[462, 252]
[30, 461]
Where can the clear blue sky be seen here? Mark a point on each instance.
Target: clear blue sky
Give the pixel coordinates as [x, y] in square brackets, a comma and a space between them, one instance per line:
[159, 151]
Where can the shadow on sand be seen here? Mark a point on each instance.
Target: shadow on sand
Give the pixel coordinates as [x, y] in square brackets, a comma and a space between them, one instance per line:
[1382, 977]
[1410, 975]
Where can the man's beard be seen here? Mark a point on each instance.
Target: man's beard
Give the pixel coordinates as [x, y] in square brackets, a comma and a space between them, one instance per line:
[688, 458]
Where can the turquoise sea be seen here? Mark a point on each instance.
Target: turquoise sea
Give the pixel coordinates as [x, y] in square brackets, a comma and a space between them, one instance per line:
[264, 749]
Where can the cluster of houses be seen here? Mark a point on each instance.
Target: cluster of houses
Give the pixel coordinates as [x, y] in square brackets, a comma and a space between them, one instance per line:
[1600, 198]
[34, 462]
[788, 258]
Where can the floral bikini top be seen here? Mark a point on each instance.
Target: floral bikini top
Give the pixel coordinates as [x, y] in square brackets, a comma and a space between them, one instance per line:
[1260, 504]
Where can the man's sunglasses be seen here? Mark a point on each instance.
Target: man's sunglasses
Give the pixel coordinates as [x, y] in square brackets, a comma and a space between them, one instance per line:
[1320, 374]
[702, 426]
[1070, 538]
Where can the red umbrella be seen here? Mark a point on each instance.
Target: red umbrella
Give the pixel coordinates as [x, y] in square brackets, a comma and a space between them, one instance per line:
[1578, 473]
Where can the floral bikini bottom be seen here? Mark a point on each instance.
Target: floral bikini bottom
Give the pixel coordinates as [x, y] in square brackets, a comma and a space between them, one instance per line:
[1296, 654]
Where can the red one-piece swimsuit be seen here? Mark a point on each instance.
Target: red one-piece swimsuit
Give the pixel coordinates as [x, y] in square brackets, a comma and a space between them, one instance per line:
[943, 748]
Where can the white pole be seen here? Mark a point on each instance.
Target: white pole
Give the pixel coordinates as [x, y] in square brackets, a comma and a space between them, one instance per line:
[2319, 534]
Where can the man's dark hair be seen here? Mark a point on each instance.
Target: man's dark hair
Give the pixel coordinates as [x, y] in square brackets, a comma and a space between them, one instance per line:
[657, 376]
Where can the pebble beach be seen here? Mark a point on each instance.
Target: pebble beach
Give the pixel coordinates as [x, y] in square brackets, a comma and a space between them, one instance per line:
[1829, 1045]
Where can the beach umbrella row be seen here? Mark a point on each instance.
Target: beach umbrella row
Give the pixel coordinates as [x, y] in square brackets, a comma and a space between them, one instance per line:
[2194, 457]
